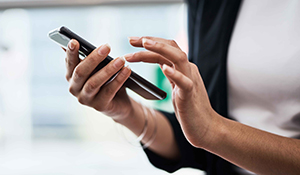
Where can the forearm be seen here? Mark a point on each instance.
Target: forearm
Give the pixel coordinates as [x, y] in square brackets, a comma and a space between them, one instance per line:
[164, 143]
[252, 149]
[255, 150]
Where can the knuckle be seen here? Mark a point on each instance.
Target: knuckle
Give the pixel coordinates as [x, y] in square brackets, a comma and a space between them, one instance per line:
[99, 108]
[119, 79]
[108, 91]
[193, 65]
[67, 77]
[82, 100]
[71, 56]
[141, 53]
[78, 73]
[109, 70]
[72, 91]
[69, 63]
[93, 59]
[161, 46]
[173, 43]
[106, 72]
[183, 56]
[190, 86]
[91, 86]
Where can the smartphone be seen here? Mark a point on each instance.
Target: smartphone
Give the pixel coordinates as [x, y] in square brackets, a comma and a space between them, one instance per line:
[136, 83]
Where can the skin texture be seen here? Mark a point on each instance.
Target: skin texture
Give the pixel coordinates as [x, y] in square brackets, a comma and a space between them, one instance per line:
[186, 83]
[255, 150]
[258, 151]
[112, 99]
[87, 89]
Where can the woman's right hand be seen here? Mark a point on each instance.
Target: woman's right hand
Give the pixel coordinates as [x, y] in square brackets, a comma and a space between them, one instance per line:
[109, 98]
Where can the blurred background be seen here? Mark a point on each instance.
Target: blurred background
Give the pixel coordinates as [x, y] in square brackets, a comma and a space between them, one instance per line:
[43, 128]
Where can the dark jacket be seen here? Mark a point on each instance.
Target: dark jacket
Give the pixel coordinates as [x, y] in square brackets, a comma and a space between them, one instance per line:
[210, 23]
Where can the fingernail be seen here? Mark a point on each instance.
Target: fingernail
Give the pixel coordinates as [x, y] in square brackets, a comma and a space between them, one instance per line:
[126, 70]
[148, 42]
[128, 56]
[168, 70]
[103, 50]
[119, 62]
[72, 45]
[134, 38]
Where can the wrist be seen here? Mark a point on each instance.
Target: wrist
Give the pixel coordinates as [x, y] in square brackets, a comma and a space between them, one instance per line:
[132, 115]
[135, 120]
[127, 114]
[216, 133]
[210, 124]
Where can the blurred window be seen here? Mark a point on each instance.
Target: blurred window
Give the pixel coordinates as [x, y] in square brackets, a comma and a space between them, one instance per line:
[36, 110]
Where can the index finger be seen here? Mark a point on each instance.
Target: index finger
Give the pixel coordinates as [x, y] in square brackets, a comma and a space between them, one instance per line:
[172, 54]
[138, 41]
[147, 57]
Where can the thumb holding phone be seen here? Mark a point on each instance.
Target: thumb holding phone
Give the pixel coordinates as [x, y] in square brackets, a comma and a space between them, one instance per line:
[99, 92]
[112, 100]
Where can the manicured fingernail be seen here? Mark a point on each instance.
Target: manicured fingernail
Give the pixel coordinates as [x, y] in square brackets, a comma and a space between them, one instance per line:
[103, 50]
[128, 56]
[72, 45]
[148, 42]
[119, 62]
[134, 38]
[125, 70]
[168, 70]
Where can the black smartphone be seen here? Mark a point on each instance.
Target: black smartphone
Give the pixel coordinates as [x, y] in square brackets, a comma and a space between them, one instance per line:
[144, 88]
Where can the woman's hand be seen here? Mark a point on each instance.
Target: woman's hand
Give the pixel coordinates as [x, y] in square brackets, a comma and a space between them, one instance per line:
[112, 99]
[109, 98]
[250, 148]
[190, 99]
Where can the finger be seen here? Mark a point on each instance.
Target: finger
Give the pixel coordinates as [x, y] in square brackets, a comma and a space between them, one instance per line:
[172, 83]
[83, 70]
[183, 82]
[94, 83]
[148, 57]
[72, 59]
[174, 55]
[109, 91]
[138, 41]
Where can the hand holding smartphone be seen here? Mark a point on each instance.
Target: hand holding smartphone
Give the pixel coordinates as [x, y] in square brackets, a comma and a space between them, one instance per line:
[144, 88]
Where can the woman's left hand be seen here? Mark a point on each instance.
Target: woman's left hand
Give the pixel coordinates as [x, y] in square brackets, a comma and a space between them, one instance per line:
[190, 99]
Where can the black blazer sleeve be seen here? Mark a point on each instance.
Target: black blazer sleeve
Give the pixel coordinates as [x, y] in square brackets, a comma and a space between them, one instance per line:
[190, 156]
